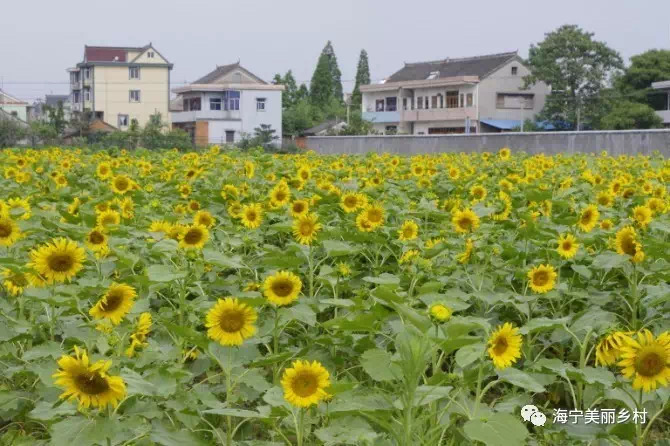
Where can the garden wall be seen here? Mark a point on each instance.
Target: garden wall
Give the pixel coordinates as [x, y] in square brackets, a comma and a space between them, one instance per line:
[615, 142]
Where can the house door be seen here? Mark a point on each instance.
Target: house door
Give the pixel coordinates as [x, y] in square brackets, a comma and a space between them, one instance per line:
[230, 136]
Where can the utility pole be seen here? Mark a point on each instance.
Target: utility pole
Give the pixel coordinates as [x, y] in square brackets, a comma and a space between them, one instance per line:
[579, 114]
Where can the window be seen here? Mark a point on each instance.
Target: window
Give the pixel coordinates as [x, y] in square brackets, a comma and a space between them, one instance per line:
[452, 99]
[134, 72]
[425, 101]
[150, 55]
[515, 71]
[379, 105]
[433, 102]
[469, 100]
[391, 129]
[215, 103]
[87, 95]
[87, 73]
[75, 97]
[231, 100]
[404, 103]
[260, 104]
[419, 102]
[192, 104]
[461, 102]
[134, 95]
[391, 103]
[123, 121]
[515, 101]
[230, 135]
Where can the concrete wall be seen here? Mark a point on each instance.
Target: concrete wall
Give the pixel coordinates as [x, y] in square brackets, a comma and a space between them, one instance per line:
[615, 142]
[252, 118]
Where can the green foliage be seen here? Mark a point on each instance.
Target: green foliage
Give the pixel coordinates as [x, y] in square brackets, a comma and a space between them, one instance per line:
[631, 115]
[326, 84]
[645, 68]
[11, 132]
[362, 78]
[577, 68]
[290, 94]
[154, 135]
[56, 117]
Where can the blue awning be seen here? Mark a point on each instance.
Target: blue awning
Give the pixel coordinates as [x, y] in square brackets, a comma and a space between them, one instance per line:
[502, 124]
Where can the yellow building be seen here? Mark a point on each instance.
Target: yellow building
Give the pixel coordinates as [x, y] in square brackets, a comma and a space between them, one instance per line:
[121, 84]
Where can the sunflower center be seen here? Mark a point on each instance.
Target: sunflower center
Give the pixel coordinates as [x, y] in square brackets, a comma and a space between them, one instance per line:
[251, 215]
[193, 236]
[465, 222]
[91, 383]
[586, 218]
[374, 216]
[306, 228]
[282, 288]
[408, 232]
[204, 220]
[60, 262]
[109, 219]
[567, 246]
[280, 195]
[231, 321]
[628, 245]
[96, 238]
[18, 280]
[500, 345]
[649, 363]
[111, 302]
[298, 207]
[305, 385]
[350, 201]
[5, 230]
[540, 278]
[121, 183]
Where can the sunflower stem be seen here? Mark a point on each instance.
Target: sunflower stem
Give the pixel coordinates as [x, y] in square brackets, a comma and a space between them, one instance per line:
[638, 426]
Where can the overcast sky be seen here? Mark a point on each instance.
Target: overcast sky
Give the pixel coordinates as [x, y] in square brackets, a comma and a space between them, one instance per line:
[40, 39]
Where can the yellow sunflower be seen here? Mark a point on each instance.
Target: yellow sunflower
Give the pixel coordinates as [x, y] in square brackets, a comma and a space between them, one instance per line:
[299, 207]
[115, 303]
[58, 261]
[588, 218]
[408, 231]
[108, 218]
[478, 193]
[349, 202]
[230, 322]
[305, 383]
[138, 338]
[606, 224]
[280, 194]
[505, 346]
[305, 228]
[252, 215]
[374, 214]
[204, 218]
[567, 246]
[282, 288]
[464, 257]
[104, 170]
[9, 231]
[608, 350]
[121, 184]
[193, 237]
[542, 278]
[96, 240]
[440, 312]
[646, 360]
[19, 203]
[160, 226]
[14, 282]
[642, 215]
[89, 383]
[627, 244]
[504, 153]
[465, 221]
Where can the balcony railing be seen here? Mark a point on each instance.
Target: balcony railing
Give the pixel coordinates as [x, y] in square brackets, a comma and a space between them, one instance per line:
[383, 116]
[203, 115]
[440, 114]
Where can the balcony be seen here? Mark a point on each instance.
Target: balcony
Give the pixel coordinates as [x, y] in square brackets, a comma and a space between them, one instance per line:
[75, 85]
[665, 115]
[440, 114]
[381, 117]
[206, 115]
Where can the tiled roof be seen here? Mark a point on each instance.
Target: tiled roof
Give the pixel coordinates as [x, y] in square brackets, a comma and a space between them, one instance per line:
[6, 98]
[54, 99]
[222, 70]
[468, 66]
[108, 53]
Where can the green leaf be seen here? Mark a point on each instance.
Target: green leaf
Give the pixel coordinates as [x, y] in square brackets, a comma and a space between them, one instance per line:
[346, 431]
[136, 384]
[229, 411]
[165, 246]
[49, 348]
[336, 248]
[230, 357]
[219, 259]
[520, 379]
[592, 375]
[301, 312]
[608, 260]
[163, 273]
[383, 279]
[165, 436]
[500, 429]
[377, 364]
[543, 324]
[582, 271]
[47, 411]
[469, 354]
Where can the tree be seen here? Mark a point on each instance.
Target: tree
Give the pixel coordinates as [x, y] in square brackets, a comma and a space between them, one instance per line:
[577, 68]
[288, 98]
[56, 117]
[631, 115]
[300, 117]
[11, 131]
[264, 136]
[645, 68]
[302, 93]
[80, 122]
[362, 78]
[42, 133]
[327, 78]
[357, 125]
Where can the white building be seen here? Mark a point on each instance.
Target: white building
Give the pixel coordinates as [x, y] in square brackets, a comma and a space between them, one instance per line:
[13, 106]
[663, 88]
[226, 105]
[474, 94]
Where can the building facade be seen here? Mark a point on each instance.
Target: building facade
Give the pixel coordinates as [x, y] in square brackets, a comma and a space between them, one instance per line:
[662, 90]
[13, 106]
[226, 105]
[121, 84]
[466, 95]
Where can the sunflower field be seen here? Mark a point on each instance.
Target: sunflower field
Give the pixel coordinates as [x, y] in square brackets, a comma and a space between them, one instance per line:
[246, 298]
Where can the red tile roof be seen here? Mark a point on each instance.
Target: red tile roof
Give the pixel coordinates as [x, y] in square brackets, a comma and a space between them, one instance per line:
[107, 53]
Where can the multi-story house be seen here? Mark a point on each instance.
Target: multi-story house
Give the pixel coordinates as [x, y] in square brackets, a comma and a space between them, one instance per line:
[226, 105]
[121, 84]
[39, 110]
[662, 100]
[13, 106]
[466, 95]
